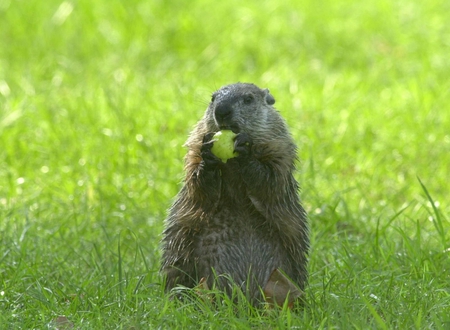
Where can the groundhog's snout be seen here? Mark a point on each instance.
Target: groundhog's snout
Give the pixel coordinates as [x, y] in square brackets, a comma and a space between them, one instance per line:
[223, 114]
[223, 111]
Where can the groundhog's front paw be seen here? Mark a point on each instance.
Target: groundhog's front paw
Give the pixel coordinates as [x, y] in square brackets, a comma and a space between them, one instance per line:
[207, 138]
[209, 159]
[243, 144]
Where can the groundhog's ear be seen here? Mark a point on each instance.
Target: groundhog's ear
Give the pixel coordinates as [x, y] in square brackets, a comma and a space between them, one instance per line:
[269, 97]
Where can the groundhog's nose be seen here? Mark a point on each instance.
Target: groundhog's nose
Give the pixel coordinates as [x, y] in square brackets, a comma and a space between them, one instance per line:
[223, 112]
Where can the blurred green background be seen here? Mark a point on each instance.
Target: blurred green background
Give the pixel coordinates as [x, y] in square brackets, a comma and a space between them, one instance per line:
[98, 97]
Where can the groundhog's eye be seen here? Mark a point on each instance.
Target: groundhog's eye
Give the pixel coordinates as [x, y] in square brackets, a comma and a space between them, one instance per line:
[248, 99]
[213, 97]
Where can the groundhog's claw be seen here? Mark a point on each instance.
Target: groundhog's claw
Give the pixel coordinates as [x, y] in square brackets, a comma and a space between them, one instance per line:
[208, 137]
[243, 144]
[209, 159]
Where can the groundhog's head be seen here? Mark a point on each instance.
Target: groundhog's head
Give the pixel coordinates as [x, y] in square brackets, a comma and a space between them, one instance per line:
[241, 107]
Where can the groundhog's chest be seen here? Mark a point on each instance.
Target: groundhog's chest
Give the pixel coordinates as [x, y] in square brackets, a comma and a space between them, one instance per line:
[235, 238]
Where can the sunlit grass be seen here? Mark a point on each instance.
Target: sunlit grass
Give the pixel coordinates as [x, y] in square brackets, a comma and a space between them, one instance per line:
[97, 98]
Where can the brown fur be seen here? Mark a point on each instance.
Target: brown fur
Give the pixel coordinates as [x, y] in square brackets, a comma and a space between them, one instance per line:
[243, 218]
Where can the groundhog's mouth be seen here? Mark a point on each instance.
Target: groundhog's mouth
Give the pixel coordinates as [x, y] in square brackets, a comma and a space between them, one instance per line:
[233, 128]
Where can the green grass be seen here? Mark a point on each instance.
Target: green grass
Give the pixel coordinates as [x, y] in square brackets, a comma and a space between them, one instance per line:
[97, 98]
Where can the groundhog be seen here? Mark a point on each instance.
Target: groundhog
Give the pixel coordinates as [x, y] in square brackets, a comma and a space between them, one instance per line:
[241, 219]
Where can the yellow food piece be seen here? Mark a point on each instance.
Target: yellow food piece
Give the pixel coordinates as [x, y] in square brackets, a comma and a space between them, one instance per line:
[223, 146]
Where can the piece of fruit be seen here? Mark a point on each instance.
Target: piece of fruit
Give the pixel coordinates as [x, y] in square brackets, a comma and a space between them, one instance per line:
[223, 146]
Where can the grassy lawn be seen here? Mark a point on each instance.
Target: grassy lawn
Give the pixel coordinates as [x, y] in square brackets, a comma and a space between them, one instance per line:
[98, 97]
